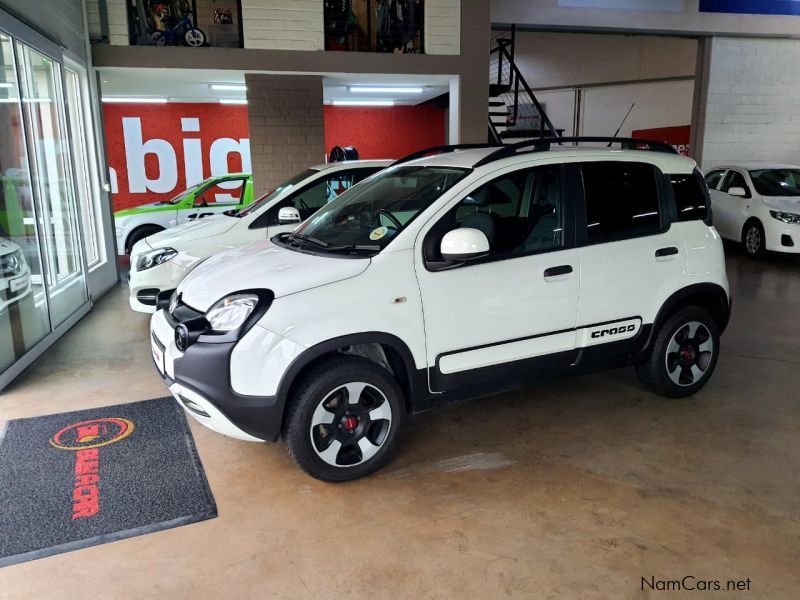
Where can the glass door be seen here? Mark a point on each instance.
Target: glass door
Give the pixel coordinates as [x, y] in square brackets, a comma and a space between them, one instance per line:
[51, 167]
[24, 317]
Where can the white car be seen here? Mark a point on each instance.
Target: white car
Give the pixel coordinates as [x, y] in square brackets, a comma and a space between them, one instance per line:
[447, 277]
[160, 261]
[757, 205]
[15, 274]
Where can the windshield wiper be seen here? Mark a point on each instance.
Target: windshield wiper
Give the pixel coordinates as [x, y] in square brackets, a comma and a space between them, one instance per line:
[304, 238]
[364, 247]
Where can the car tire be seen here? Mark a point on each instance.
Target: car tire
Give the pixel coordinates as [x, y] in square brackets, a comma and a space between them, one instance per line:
[753, 239]
[343, 418]
[684, 354]
[139, 234]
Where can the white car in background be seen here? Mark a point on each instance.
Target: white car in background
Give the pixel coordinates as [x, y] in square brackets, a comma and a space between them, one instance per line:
[160, 261]
[15, 275]
[757, 205]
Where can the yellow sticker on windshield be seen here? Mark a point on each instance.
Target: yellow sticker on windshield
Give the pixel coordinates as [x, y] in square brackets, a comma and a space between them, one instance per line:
[378, 233]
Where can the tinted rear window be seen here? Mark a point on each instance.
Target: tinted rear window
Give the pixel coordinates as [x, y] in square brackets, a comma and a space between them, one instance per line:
[621, 200]
[691, 196]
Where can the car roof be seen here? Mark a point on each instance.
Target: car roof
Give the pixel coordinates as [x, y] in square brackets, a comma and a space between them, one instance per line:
[352, 164]
[753, 165]
[669, 163]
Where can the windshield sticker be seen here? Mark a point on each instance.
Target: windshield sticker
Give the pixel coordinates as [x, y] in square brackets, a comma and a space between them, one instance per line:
[378, 233]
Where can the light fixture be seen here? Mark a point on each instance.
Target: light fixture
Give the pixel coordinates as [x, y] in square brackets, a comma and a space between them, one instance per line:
[232, 101]
[4, 84]
[359, 89]
[229, 87]
[120, 100]
[363, 102]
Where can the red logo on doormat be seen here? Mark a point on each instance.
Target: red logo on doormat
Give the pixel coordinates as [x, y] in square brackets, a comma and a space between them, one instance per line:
[85, 439]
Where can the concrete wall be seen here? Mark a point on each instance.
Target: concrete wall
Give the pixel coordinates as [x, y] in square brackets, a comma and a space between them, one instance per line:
[658, 104]
[751, 110]
[287, 132]
[283, 24]
[117, 12]
[549, 60]
[674, 16]
[443, 26]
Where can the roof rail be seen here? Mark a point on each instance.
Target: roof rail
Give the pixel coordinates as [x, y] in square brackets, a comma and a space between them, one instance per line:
[543, 144]
[442, 149]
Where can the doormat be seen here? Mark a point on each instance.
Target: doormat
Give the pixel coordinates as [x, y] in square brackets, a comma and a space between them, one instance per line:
[88, 477]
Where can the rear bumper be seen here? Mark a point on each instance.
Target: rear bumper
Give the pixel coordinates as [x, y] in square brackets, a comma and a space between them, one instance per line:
[199, 378]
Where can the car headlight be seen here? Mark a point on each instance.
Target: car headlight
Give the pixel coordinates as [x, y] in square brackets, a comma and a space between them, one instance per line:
[151, 259]
[231, 312]
[786, 217]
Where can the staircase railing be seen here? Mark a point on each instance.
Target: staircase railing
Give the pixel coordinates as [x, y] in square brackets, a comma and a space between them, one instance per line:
[508, 83]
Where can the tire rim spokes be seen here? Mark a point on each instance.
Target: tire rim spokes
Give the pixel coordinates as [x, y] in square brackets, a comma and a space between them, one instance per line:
[753, 240]
[689, 353]
[350, 425]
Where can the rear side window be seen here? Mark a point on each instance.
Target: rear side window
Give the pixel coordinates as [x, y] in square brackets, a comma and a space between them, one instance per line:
[691, 196]
[621, 200]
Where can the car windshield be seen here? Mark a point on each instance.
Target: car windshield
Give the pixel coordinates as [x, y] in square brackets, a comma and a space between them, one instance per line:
[266, 198]
[776, 182]
[177, 199]
[367, 217]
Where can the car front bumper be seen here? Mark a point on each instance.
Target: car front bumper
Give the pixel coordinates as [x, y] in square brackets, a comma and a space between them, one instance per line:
[782, 237]
[200, 381]
[145, 285]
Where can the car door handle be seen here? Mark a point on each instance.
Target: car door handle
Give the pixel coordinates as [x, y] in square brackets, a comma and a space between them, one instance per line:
[556, 271]
[206, 214]
[192, 216]
[668, 251]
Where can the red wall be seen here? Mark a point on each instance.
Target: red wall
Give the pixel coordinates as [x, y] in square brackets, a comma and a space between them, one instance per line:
[380, 132]
[384, 132]
[163, 121]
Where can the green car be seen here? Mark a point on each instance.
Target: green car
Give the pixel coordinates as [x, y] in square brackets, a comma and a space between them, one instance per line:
[210, 197]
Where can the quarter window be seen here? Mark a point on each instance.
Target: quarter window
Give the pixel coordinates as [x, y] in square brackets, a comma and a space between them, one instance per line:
[691, 197]
[519, 213]
[621, 200]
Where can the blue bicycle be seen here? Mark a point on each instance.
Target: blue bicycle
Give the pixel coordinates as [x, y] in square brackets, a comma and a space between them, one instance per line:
[179, 31]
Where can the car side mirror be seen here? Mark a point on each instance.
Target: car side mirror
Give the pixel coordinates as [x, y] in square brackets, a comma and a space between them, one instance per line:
[737, 191]
[287, 215]
[464, 243]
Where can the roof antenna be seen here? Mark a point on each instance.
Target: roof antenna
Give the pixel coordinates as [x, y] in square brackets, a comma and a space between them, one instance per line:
[625, 118]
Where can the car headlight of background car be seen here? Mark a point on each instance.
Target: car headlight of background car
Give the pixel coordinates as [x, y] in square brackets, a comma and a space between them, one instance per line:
[786, 217]
[231, 312]
[151, 259]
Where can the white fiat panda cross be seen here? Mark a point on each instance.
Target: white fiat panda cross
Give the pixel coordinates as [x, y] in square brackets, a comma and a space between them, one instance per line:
[446, 277]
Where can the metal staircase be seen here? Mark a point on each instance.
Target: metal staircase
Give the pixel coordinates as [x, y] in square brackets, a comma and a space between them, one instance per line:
[514, 112]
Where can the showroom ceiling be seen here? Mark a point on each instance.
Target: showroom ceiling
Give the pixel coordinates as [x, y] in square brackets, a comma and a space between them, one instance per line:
[195, 85]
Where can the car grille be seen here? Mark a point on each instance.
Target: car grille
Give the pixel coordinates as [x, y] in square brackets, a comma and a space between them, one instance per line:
[12, 264]
[182, 312]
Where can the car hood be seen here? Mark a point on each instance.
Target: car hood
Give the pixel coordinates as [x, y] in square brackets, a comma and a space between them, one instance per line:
[187, 232]
[263, 265]
[783, 203]
[7, 247]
